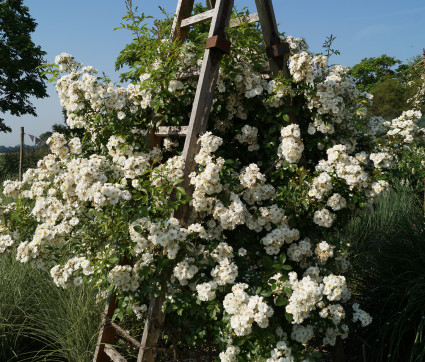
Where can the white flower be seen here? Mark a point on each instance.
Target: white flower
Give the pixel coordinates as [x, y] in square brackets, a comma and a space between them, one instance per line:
[78, 281]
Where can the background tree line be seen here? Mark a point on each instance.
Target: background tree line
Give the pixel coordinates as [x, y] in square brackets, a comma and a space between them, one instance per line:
[391, 82]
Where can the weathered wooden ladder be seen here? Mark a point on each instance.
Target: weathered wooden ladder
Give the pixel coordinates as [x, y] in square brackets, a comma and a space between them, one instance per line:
[219, 13]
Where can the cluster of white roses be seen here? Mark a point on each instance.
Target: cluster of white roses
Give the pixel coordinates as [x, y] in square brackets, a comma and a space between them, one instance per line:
[281, 353]
[185, 270]
[322, 184]
[81, 86]
[314, 292]
[300, 251]
[245, 310]
[291, 146]
[62, 274]
[340, 164]
[5, 241]
[124, 277]
[167, 234]
[360, 315]
[249, 136]
[230, 355]
[381, 159]
[404, 128]
[332, 100]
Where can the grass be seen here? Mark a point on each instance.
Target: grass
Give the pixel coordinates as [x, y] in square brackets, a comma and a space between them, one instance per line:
[41, 322]
[388, 276]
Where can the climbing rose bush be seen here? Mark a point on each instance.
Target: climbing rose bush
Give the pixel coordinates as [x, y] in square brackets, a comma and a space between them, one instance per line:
[279, 168]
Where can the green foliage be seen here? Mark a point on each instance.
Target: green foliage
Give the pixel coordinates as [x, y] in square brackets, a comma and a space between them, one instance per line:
[327, 46]
[391, 82]
[20, 77]
[39, 321]
[389, 99]
[372, 70]
[388, 245]
[9, 162]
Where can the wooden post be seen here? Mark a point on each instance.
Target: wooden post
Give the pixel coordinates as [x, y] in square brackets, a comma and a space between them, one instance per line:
[423, 61]
[21, 154]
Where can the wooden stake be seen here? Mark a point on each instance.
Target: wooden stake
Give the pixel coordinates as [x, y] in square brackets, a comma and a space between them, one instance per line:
[21, 154]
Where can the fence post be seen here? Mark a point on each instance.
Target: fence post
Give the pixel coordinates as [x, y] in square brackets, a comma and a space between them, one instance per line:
[21, 154]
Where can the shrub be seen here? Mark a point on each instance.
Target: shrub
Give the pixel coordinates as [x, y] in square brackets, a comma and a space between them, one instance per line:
[278, 168]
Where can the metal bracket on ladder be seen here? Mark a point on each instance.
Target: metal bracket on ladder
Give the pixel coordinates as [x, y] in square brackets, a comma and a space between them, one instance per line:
[217, 45]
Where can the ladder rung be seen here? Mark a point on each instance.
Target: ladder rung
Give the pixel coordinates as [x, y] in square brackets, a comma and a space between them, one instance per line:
[189, 74]
[125, 335]
[244, 19]
[113, 354]
[165, 131]
[199, 18]
[196, 19]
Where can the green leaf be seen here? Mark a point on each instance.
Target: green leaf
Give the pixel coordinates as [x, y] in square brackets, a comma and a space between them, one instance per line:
[281, 302]
[181, 190]
[267, 262]
[113, 259]
[266, 293]
[288, 317]
[138, 229]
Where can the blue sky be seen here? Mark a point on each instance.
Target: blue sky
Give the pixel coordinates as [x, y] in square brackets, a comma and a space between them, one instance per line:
[84, 28]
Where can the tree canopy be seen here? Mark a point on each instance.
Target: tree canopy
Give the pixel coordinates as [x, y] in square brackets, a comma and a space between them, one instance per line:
[391, 82]
[20, 77]
[371, 70]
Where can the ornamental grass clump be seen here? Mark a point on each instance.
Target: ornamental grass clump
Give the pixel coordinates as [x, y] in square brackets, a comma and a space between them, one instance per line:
[279, 167]
[388, 278]
[39, 321]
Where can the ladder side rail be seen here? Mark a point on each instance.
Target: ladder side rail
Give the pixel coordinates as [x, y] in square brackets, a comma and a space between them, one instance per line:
[107, 332]
[203, 98]
[183, 11]
[271, 35]
[152, 329]
[211, 4]
[197, 125]
[271, 39]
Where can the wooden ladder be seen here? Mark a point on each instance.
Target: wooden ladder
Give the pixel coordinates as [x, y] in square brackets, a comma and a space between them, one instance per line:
[216, 46]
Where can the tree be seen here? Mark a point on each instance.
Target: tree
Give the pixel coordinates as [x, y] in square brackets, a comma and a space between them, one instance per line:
[372, 70]
[389, 99]
[390, 86]
[20, 77]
